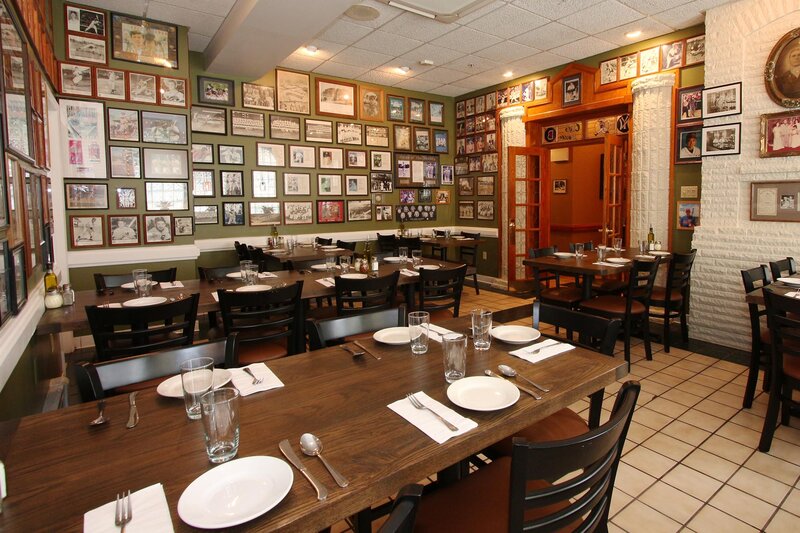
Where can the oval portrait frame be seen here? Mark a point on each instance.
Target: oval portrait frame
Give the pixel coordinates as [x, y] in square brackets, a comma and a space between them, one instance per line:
[774, 70]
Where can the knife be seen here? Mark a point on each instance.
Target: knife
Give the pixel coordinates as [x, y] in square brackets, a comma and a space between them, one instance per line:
[286, 450]
[133, 417]
[366, 350]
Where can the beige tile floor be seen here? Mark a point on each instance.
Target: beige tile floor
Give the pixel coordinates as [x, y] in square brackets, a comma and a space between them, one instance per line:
[691, 461]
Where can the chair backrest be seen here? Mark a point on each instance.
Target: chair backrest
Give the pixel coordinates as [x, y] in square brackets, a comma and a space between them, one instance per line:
[594, 332]
[387, 243]
[354, 296]
[587, 246]
[112, 281]
[266, 263]
[242, 250]
[95, 379]
[679, 275]
[441, 289]
[265, 316]
[346, 245]
[440, 233]
[404, 511]
[469, 253]
[783, 321]
[322, 241]
[216, 273]
[322, 332]
[576, 502]
[782, 268]
[412, 243]
[640, 281]
[542, 252]
[126, 331]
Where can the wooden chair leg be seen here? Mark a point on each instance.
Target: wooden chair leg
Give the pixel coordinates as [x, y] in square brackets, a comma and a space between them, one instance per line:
[648, 350]
[665, 339]
[771, 417]
[684, 327]
[595, 408]
[475, 280]
[627, 327]
[786, 404]
[752, 378]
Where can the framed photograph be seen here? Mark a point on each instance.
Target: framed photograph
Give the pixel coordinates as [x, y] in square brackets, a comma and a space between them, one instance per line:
[331, 158]
[209, 120]
[381, 182]
[461, 146]
[440, 142]
[672, 55]
[397, 108]
[231, 182]
[422, 139]
[84, 134]
[425, 196]
[442, 196]
[415, 213]
[184, 226]
[298, 213]
[470, 105]
[282, 127]
[215, 91]
[123, 230]
[480, 107]
[330, 211]
[780, 134]
[109, 84]
[83, 20]
[461, 109]
[76, 79]
[723, 139]
[6, 288]
[649, 61]
[86, 49]
[296, 184]
[86, 195]
[689, 214]
[416, 111]
[695, 50]
[319, 131]
[609, 71]
[247, 123]
[571, 90]
[206, 214]
[203, 184]
[491, 98]
[302, 156]
[560, 186]
[19, 277]
[491, 142]
[466, 186]
[485, 185]
[689, 104]
[461, 167]
[356, 159]
[514, 95]
[172, 91]
[338, 99]
[781, 71]
[371, 103]
[293, 91]
[448, 175]
[485, 209]
[163, 128]
[161, 163]
[349, 133]
[233, 213]
[356, 185]
[502, 99]
[329, 184]
[488, 163]
[258, 96]
[722, 101]
[166, 196]
[380, 161]
[265, 213]
[377, 136]
[158, 229]
[125, 162]
[436, 112]
[265, 184]
[230, 154]
[144, 41]
[466, 209]
[142, 88]
[358, 210]
[86, 231]
[690, 192]
[628, 66]
[383, 213]
[475, 163]
[202, 153]
[527, 92]
[687, 147]
[270, 155]
[402, 137]
[126, 198]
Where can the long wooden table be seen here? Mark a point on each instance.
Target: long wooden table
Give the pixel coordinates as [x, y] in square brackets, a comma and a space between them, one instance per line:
[778, 287]
[58, 467]
[304, 253]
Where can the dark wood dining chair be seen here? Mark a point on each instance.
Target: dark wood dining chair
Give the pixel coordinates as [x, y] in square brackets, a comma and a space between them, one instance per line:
[242, 250]
[388, 243]
[588, 246]
[329, 331]
[347, 245]
[546, 276]
[412, 243]
[322, 241]
[126, 331]
[783, 319]
[104, 282]
[266, 263]
[439, 291]
[98, 380]
[216, 273]
[672, 301]
[437, 251]
[355, 296]
[783, 268]
[518, 493]
[568, 295]
[760, 350]
[469, 256]
[404, 510]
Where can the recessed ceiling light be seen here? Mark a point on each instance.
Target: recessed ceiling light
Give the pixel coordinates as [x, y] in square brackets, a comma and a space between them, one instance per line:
[426, 62]
[362, 12]
[633, 34]
[403, 70]
[508, 74]
[311, 49]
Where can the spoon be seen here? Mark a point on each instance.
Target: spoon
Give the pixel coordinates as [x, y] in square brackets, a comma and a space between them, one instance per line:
[101, 418]
[523, 389]
[510, 372]
[351, 351]
[311, 445]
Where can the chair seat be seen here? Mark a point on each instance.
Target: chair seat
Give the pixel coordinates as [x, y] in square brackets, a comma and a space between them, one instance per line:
[609, 286]
[659, 294]
[141, 385]
[612, 305]
[563, 424]
[257, 352]
[359, 336]
[440, 315]
[571, 295]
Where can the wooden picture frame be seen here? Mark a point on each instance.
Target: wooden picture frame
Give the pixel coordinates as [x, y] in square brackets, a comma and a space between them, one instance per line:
[687, 144]
[359, 210]
[416, 111]
[649, 61]
[284, 128]
[255, 96]
[173, 92]
[203, 153]
[380, 161]
[166, 164]
[80, 19]
[298, 213]
[293, 90]
[206, 214]
[164, 128]
[688, 215]
[231, 183]
[330, 211]
[396, 108]
[126, 197]
[695, 52]
[233, 213]
[302, 156]
[18, 277]
[157, 229]
[125, 162]
[779, 134]
[402, 137]
[6, 288]
[265, 213]
[230, 154]
[211, 120]
[329, 184]
[376, 136]
[466, 210]
[356, 158]
[628, 66]
[331, 158]
[142, 88]
[146, 41]
[270, 155]
[168, 196]
[372, 104]
[466, 186]
[86, 195]
[183, 226]
[485, 209]
[689, 104]
[776, 201]
[296, 184]
[247, 123]
[609, 71]
[783, 86]
[109, 84]
[318, 131]
[436, 113]
[422, 139]
[265, 183]
[86, 231]
[336, 98]
[86, 49]
[215, 91]
[203, 184]
[123, 230]
[484, 186]
[672, 55]
[559, 186]
[571, 90]
[349, 133]
[356, 185]
[76, 80]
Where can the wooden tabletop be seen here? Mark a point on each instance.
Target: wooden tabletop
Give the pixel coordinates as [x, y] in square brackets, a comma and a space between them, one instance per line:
[444, 242]
[586, 265]
[58, 467]
[778, 287]
[304, 253]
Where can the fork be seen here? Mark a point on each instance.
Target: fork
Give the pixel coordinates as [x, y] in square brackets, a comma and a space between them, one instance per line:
[256, 381]
[124, 511]
[351, 351]
[419, 405]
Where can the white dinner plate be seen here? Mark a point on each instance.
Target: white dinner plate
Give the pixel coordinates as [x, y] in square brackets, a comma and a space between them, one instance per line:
[130, 286]
[789, 281]
[254, 288]
[427, 267]
[276, 252]
[483, 393]
[396, 336]
[659, 252]
[234, 275]
[329, 247]
[235, 492]
[644, 256]
[563, 255]
[460, 237]
[354, 276]
[173, 388]
[321, 266]
[618, 260]
[515, 334]
[392, 259]
[144, 302]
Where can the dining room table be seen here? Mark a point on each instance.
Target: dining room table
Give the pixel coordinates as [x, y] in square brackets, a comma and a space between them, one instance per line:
[783, 286]
[305, 252]
[445, 243]
[59, 467]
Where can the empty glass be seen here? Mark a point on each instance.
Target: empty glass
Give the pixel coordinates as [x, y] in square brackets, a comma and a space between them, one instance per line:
[330, 262]
[578, 250]
[418, 326]
[618, 245]
[243, 268]
[220, 413]
[344, 262]
[601, 253]
[454, 346]
[197, 378]
[416, 257]
[481, 327]
[251, 274]
[643, 247]
[402, 253]
[142, 285]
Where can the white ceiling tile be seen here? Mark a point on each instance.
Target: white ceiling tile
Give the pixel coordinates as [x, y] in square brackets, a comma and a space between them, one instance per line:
[650, 7]
[198, 43]
[506, 51]
[480, 13]
[301, 62]
[343, 32]
[201, 23]
[220, 8]
[586, 47]
[508, 21]
[602, 16]
[418, 85]
[450, 90]
[387, 43]
[385, 14]
[648, 26]
[361, 58]
[473, 82]
[417, 27]
[414, 67]
[704, 5]
[466, 40]
[130, 7]
[549, 36]
[554, 10]
[325, 49]
[536, 63]
[472, 64]
[381, 77]
[340, 70]
[680, 17]
[441, 75]
[437, 54]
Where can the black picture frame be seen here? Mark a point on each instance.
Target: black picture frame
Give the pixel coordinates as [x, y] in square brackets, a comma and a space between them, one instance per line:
[164, 128]
[18, 278]
[123, 46]
[230, 154]
[233, 213]
[215, 91]
[571, 89]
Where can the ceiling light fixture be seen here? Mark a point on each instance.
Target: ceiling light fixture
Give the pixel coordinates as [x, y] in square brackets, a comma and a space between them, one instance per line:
[403, 70]
[362, 12]
[311, 49]
[426, 62]
[633, 34]
[412, 10]
[508, 74]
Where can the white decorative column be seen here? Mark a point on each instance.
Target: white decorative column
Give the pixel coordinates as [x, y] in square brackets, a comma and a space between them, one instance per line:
[650, 160]
[512, 133]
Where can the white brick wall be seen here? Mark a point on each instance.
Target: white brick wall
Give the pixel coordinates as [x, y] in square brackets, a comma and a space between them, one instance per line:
[739, 38]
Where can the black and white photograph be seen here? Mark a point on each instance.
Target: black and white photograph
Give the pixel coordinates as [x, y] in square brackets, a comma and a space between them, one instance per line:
[86, 195]
[282, 127]
[231, 182]
[380, 161]
[166, 196]
[356, 185]
[695, 50]
[247, 123]
[86, 49]
[265, 184]
[203, 184]
[403, 168]
[356, 159]
[788, 202]
[83, 20]
[329, 184]
[123, 230]
[265, 213]
[560, 186]
[319, 131]
[163, 128]
[86, 231]
[184, 226]
[336, 98]
[76, 79]
[485, 210]
[158, 229]
[125, 162]
[270, 155]
[215, 91]
[488, 163]
[146, 41]
[571, 90]
[491, 98]
[377, 136]
[349, 133]
[466, 210]
[202, 153]
[609, 71]
[402, 137]
[206, 214]
[233, 213]
[298, 213]
[302, 156]
[484, 185]
[672, 55]
[258, 96]
[425, 196]
[422, 140]
[628, 66]
[371, 103]
[109, 83]
[209, 120]
[466, 186]
[721, 140]
[172, 91]
[230, 154]
[331, 158]
[296, 184]
[161, 163]
[413, 213]
[722, 101]
[383, 213]
[126, 198]
[448, 174]
[293, 90]
[380, 182]
[359, 210]
[142, 88]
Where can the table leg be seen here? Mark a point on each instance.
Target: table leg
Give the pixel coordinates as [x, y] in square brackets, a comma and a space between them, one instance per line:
[587, 286]
[595, 408]
[409, 295]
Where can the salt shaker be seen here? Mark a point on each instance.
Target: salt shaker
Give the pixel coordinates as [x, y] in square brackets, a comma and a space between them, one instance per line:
[68, 294]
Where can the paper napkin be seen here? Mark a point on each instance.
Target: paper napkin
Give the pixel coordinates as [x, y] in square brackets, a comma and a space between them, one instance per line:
[546, 349]
[174, 285]
[111, 306]
[607, 264]
[407, 272]
[150, 513]
[328, 282]
[244, 382]
[215, 296]
[263, 275]
[437, 332]
[427, 422]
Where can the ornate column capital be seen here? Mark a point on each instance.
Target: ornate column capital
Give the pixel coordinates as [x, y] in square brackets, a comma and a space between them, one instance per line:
[652, 82]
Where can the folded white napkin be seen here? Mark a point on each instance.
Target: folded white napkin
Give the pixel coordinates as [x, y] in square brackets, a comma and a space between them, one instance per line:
[150, 513]
[607, 264]
[111, 306]
[215, 296]
[168, 285]
[407, 272]
[328, 282]
[795, 294]
[437, 332]
[427, 422]
[244, 383]
[547, 349]
[267, 275]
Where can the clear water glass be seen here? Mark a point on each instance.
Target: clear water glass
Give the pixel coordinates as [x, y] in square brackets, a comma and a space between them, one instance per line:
[243, 268]
[454, 346]
[643, 247]
[197, 378]
[618, 244]
[416, 257]
[344, 262]
[481, 328]
[601, 253]
[220, 414]
[330, 262]
[578, 250]
[251, 274]
[402, 253]
[142, 285]
[418, 327]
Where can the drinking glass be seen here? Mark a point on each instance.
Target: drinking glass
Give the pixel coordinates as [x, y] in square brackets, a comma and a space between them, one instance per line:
[243, 268]
[601, 253]
[454, 346]
[447, 234]
[344, 262]
[251, 274]
[617, 244]
[402, 252]
[481, 327]
[643, 247]
[416, 257]
[220, 414]
[330, 262]
[197, 378]
[578, 250]
[137, 273]
[418, 326]
[142, 285]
